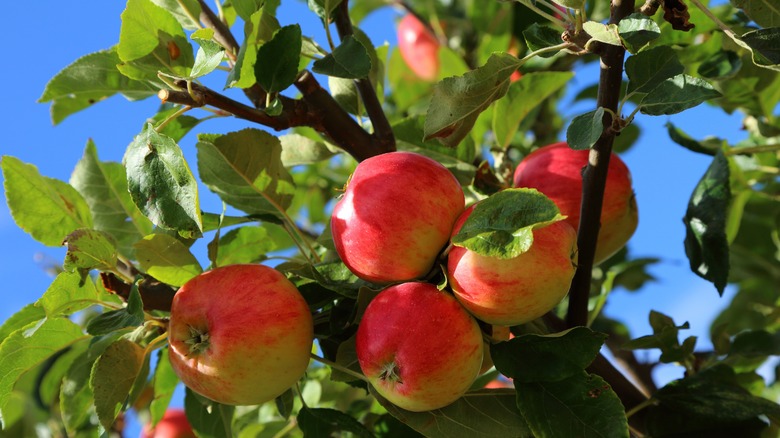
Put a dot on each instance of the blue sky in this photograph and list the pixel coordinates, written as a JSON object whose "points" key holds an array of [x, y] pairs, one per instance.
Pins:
{"points": [[57, 33]]}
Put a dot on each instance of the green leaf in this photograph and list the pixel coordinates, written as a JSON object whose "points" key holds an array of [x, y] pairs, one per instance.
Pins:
{"points": [[46, 208], [721, 65], [285, 403], [765, 45], [26, 315], [585, 129], [175, 128], [320, 422], [209, 54], [323, 8], [161, 184], [540, 37], [142, 24], [67, 294], [487, 413], [186, 12], [208, 418], [765, 13], [349, 60], [523, 96], [502, 225], [130, 316], [686, 141], [677, 94], [167, 259], [89, 80], [604, 33], [258, 29], [113, 376], [29, 346], [298, 149], [637, 30], [245, 169], [583, 405], [665, 338], [647, 69], [457, 101], [164, 383], [756, 343], [104, 187], [249, 244], [547, 358], [277, 60], [706, 244], [571, 4], [89, 249], [245, 8]]}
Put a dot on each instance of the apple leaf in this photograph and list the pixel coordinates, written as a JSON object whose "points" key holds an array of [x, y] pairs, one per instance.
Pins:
{"points": [[457, 101], [67, 294], [285, 403], [764, 45], [318, 422], [298, 149], [484, 413], [647, 69], [523, 96], [764, 12], [277, 60], [164, 383], [755, 343], [104, 187], [502, 225], [26, 315], [51, 373], [604, 33], [249, 244], [89, 80], [89, 249], [113, 376], [258, 29], [142, 23], [706, 243], [130, 316], [183, 11], [688, 142], [210, 53], [637, 30], [539, 37], [175, 128], [46, 208], [349, 60], [161, 183], [167, 259], [677, 94], [585, 129], [547, 358], [582, 405], [208, 418], [665, 338], [721, 65], [29, 346], [245, 169]]}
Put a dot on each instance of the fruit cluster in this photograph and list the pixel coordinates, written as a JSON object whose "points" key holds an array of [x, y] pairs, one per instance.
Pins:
{"points": [[392, 225], [243, 334]]}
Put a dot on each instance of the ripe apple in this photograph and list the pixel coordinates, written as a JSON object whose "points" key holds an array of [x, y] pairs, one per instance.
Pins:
{"points": [[500, 383], [395, 216], [400, 349], [555, 170], [419, 47], [240, 334], [518, 290], [173, 424]]}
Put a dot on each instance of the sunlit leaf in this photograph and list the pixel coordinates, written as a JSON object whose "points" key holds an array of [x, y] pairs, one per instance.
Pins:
{"points": [[113, 376], [167, 259]]}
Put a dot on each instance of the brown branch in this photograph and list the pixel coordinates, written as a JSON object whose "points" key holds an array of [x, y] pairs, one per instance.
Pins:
{"points": [[594, 176], [383, 133], [154, 295]]}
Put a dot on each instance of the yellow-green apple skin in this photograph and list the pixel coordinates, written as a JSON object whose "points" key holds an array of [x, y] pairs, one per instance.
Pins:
{"points": [[240, 334], [514, 291], [419, 47], [396, 216], [555, 170], [402, 350]]}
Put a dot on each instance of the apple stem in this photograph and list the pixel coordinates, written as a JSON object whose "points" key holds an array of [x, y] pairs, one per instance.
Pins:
{"points": [[341, 368]]}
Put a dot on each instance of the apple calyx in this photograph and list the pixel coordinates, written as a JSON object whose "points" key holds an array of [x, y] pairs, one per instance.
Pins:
{"points": [[391, 373], [198, 341]]}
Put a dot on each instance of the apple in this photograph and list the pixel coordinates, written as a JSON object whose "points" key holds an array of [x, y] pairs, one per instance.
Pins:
{"points": [[400, 349], [240, 334], [555, 170], [500, 383], [173, 424], [419, 47], [518, 290], [395, 216]]}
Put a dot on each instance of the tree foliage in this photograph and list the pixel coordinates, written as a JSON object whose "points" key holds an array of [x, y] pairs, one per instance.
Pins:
{"points": [[94, 345]]}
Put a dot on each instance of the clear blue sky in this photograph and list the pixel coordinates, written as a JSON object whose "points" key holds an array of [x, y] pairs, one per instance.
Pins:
{"points": [[51, 35]]}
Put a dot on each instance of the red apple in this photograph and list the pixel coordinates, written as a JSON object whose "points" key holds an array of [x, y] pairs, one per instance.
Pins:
{"points": [[173, 424], [395, 216], [555, 170], [500, 383], [400, 349], [240, 334], [419, 47], [518, 290]]}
